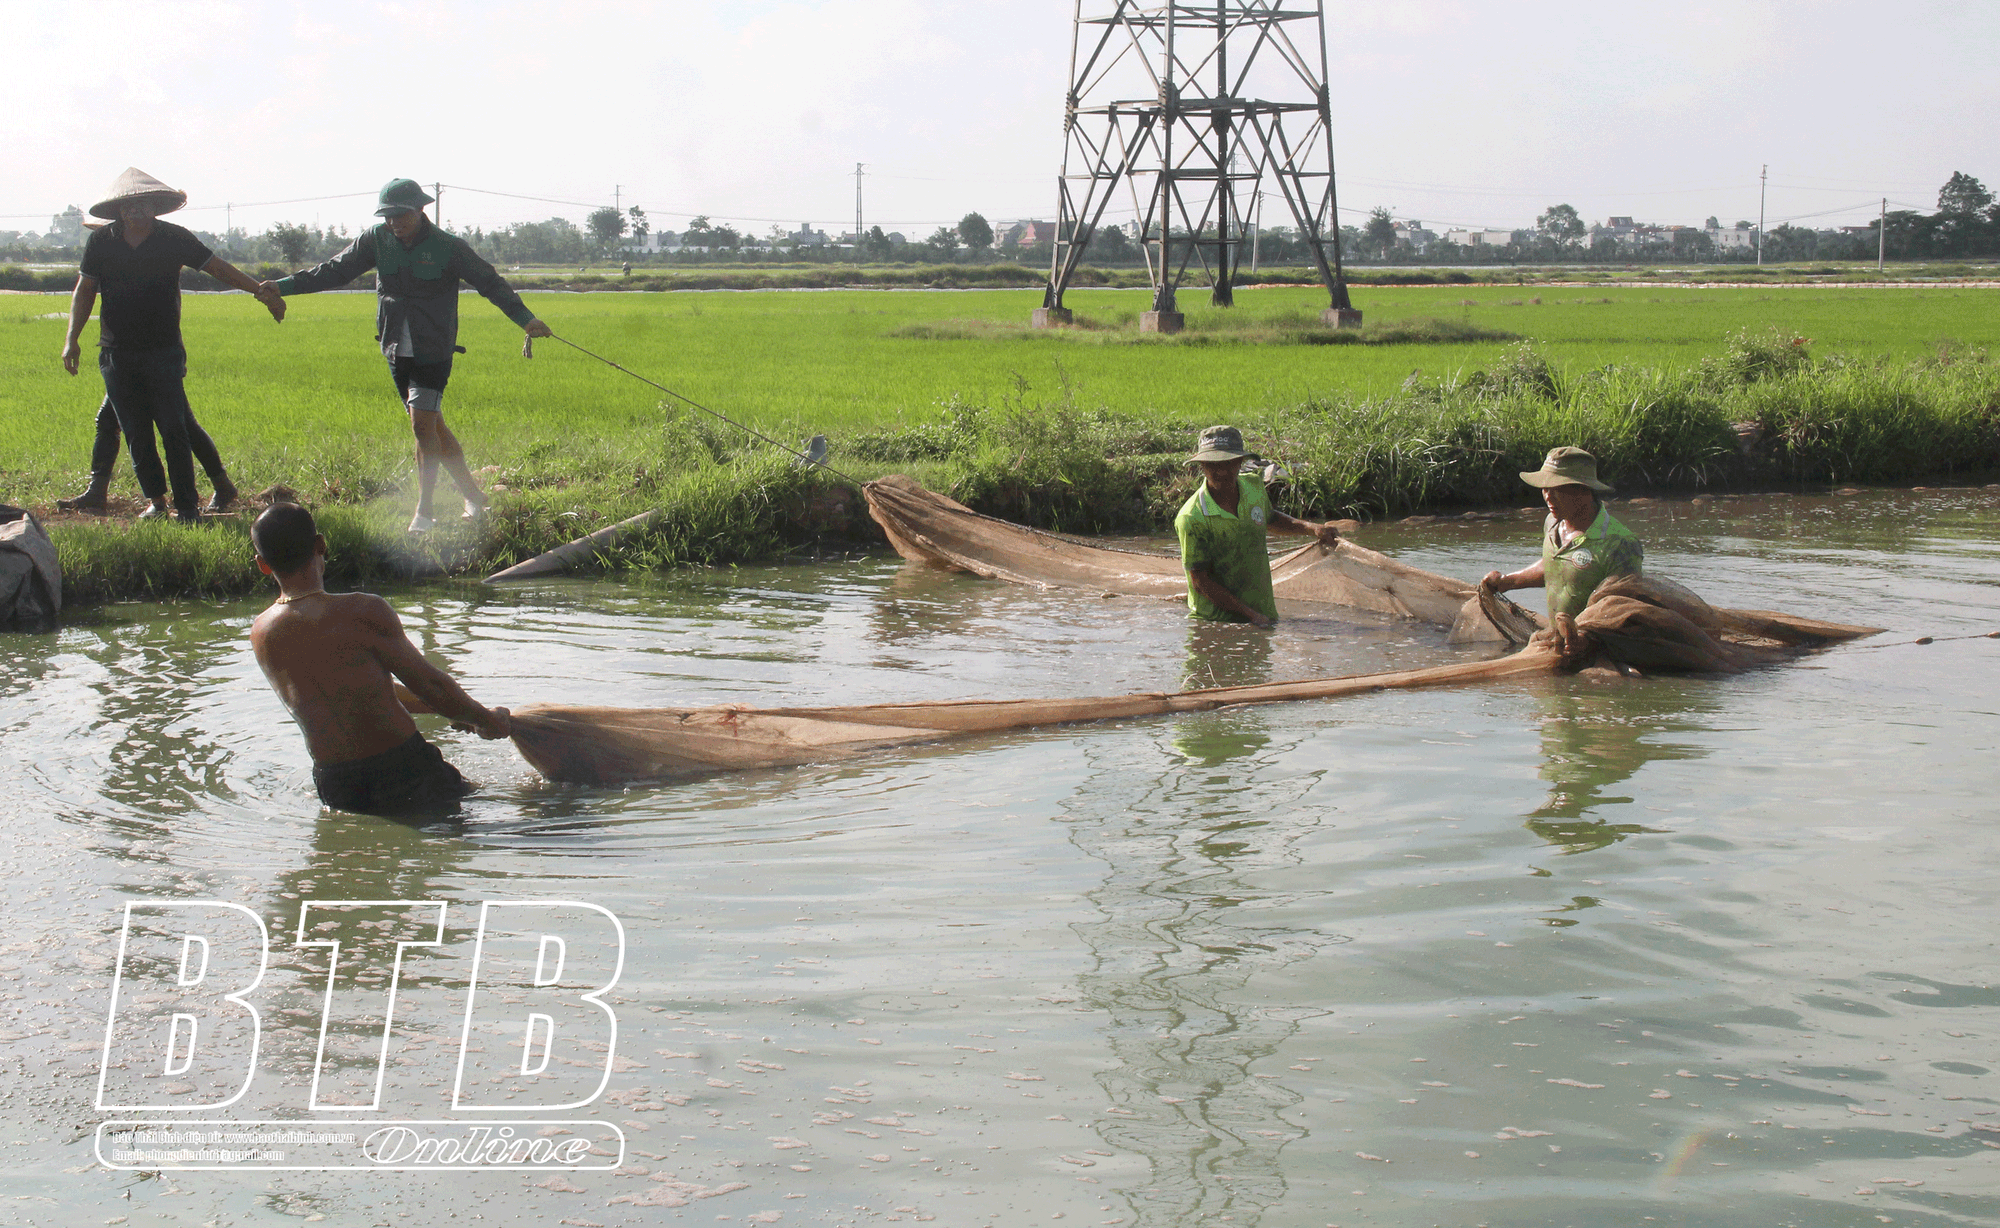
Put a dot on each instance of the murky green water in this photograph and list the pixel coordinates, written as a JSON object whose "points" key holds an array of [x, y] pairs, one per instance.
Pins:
{"points": [[1683, 951]]}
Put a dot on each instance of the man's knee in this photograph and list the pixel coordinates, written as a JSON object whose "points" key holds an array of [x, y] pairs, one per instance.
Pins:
{"points": [[426, 406]]}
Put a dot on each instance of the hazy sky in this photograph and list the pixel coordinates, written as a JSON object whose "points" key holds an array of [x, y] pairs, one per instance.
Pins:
{"points": [[755, 111]]}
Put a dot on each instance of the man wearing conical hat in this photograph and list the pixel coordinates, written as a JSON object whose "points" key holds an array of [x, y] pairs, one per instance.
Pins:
{"points": [[1582, 545], [417, 271], [135, 264]]}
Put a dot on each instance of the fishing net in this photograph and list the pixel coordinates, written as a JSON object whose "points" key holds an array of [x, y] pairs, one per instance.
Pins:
{"points": [[1631, 626], [608, 745], [927, 527]]}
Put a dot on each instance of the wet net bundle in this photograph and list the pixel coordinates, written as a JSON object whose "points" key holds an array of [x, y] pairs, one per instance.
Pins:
{"points": [[1632, 625]]}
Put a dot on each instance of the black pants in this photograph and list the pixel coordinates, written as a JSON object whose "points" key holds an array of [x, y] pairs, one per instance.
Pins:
{"points": [[409, 373], [409, 779], [104, 449], [145, 388]]}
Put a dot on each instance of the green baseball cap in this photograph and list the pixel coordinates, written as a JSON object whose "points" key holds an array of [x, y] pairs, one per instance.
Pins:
{"points": [[401, 196], [1567, 467]]}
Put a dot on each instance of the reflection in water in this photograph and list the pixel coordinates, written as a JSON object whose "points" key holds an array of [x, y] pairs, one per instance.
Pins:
{"points": [[1593, 740], [1225, 654], [1175, 953], [150, 689], [360, 858]]}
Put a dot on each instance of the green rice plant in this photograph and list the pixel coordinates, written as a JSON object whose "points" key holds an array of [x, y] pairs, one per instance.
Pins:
{"points": [[1750, 355], [1878, 422]]}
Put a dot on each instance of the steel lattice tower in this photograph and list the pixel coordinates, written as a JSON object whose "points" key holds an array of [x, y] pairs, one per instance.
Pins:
{"points": [[1163, 100]]}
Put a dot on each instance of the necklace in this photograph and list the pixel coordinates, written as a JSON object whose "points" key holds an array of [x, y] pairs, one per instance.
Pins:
{"points": [[289, 598]]}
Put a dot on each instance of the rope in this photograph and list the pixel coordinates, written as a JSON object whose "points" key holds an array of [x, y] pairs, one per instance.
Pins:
{"points": [[705, 409], [1928, 639]]}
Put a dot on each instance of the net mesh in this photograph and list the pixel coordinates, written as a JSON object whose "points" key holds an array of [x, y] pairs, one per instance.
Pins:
{"points": [[1632, 625]]}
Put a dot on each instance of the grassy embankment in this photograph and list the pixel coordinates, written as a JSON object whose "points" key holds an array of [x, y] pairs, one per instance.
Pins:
{"points": [[1436, 405]]}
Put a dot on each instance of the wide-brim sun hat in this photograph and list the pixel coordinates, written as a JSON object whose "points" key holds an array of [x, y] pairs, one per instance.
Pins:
{"points": [[1567, 467], [1220, 443], [136, 184], [401, 196]]}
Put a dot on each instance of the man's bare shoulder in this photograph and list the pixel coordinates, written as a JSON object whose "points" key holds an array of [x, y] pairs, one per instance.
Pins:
{"points": [[327, 613]]}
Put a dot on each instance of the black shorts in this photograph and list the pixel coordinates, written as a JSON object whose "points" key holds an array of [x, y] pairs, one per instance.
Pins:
{"points": [[409, 373], [407, 779]]}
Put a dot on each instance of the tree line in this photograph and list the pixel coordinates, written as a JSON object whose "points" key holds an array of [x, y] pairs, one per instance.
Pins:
{"points": [[1965, 226]]}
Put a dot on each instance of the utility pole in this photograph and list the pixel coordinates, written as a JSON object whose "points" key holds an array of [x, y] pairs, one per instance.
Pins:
{"points": [[229, 211], [1881, 236], [1763, 180], [437, 190], [1256, 226], [860, 248]]}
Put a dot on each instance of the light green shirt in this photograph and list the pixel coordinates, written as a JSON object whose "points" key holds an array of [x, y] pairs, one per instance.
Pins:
{"points": [[1572, 570], [1228, 547]]}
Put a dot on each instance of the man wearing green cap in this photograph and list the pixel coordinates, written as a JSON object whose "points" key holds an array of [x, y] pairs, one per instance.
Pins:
{"points": [[417, 271], [1582, 545], [1222, 527]]}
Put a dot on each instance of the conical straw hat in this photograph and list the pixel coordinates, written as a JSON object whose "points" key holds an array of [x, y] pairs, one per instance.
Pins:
{"points": [[136, 184]]}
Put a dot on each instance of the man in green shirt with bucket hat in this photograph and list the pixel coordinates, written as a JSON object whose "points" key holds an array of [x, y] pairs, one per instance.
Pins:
{"points": [[1582, 545], [417, 271], [1222, 527]]}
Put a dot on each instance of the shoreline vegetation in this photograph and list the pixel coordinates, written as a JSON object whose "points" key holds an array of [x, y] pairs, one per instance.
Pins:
{"points": [[1763, 414]]}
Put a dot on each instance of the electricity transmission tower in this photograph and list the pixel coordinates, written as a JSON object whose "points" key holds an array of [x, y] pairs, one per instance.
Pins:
{"points": [[1184, 108]]}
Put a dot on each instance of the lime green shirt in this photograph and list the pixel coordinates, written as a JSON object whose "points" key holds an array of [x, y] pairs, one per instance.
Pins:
{"points": [[1572, 571], [1230, 548]]}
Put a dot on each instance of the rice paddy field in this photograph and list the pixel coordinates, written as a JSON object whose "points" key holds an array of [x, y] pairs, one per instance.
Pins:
{"points": [[312, 395], [1436, 402]]}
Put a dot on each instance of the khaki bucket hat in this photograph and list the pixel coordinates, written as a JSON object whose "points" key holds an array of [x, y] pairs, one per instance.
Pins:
{"points": [[1220, 443], [1567, 467], [136, 184]]}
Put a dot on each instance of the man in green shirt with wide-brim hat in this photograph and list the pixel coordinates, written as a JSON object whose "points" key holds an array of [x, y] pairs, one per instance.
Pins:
{"points": [[1222, 527], [417, 271], [1582, 545]]}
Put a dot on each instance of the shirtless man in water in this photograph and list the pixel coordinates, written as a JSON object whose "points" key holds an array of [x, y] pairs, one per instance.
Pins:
{"points": [[331, 658]]}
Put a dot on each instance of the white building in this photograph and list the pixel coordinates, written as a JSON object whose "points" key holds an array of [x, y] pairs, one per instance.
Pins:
{"points": [[1478, 238], [1413, 235], [653, 241], [1733, 238]]}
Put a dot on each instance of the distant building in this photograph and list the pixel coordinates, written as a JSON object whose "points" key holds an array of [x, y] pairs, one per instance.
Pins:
{"points": [[653, 241], [806, 236], [1732, 238], [1412, 234], [1479, 238]]}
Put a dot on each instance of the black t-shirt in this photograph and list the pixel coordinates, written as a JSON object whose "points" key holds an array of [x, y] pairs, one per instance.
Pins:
{"points": [[140, 287]]}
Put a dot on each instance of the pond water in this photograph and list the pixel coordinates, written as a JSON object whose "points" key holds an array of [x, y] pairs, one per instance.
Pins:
{"points": [[1687, 951]]}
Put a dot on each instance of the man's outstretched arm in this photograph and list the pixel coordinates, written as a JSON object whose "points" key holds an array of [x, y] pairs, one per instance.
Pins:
{"points": [[438, 691], [1327, 533], [265, 292], [353, 260]]}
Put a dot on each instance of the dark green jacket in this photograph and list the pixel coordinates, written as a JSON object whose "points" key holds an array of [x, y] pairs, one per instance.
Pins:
{"points": [[416, 288]]}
